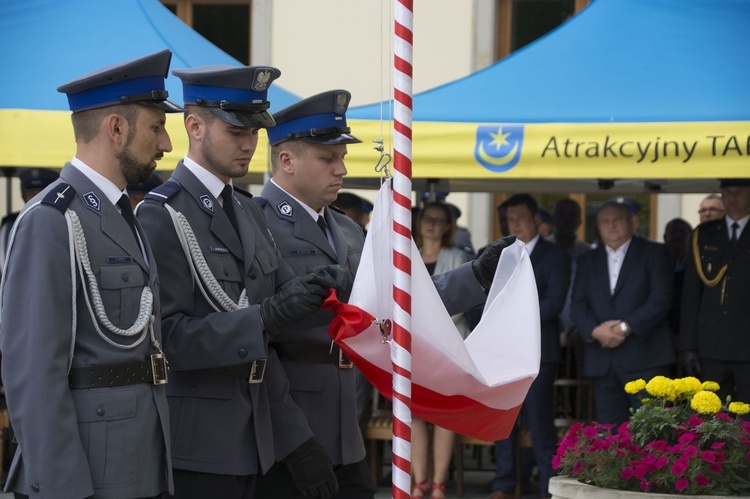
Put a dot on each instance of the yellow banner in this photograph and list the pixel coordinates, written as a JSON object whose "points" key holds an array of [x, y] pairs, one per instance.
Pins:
{"points": [[461, 150], [566, 150]]}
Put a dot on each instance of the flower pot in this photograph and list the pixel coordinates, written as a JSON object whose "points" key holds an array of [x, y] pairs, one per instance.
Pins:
{"points": [[563, 487]]}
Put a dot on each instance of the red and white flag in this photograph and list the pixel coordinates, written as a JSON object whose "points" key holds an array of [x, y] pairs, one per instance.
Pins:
{"points": [[474, 387]]}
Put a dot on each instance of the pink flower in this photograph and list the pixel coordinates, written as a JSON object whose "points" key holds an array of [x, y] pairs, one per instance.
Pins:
{"points": [[688, 437], [590, 432], [644, 485], [694, 420], [717, 445], [556, 461], [681, 484], [679, 466], [627, 474], [701, 481], [715, 468], [690, 451], [724, 416], [657, 445], [578, 466], [661, 462], [708, 456]]}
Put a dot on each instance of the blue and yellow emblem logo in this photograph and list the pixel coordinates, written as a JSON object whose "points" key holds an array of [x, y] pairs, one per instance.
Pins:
{"points": [[499, 147]]}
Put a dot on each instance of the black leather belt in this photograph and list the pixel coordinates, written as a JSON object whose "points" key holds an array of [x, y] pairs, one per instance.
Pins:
{"points": [[253, 373], [152, 370], [313, 353]]}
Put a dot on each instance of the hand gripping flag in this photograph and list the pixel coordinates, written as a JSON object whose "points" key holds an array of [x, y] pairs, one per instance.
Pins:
{"points": [[473, 387]]}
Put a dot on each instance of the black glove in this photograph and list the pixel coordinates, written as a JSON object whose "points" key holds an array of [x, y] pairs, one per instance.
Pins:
{"points": [[485, 265], [311, 470], [337, 277], [691, 363], [293, 301]]}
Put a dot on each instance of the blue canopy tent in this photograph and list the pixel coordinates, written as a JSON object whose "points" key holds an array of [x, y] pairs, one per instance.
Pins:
{"points": [[651, 94], [45, 43]]}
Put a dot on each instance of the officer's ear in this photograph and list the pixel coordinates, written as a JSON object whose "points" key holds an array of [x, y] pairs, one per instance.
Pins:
{"points": [[287, 160], [117, 128], [195, 126]]}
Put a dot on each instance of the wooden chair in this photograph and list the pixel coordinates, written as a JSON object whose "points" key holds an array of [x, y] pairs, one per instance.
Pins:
{"points": [[378, 432]]}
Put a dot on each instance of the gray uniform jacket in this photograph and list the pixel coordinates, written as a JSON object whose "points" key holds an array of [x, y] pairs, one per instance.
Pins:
{"points": [[220, 423], [325, 392], [105, 442]]}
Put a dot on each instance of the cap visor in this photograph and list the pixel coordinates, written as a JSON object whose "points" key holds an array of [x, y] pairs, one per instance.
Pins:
{"points": [[261, 119], [332, 139]]}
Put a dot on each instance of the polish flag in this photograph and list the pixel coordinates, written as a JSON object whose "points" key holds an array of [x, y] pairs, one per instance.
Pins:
{"points": [[474, 387]]}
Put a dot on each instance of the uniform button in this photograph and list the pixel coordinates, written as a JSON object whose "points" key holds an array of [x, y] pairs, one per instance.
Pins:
{"points": [[242, 353], [100, 411], [125, 277], [35, 487], [252, 275]]}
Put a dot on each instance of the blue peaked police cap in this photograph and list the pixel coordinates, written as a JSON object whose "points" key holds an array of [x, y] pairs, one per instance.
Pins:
{"points": [[140, 81], [33, 179], [320, 119], [237, 95]]}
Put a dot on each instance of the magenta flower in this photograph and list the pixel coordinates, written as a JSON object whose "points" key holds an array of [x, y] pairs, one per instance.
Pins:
{"points": [[701, 481], [644, 485], [688, 437], [681, 484], [715, 468], [679, 467], [590, 432], [708, 456], [690, 451], [694, 420], [627, 473], [578, 467]]}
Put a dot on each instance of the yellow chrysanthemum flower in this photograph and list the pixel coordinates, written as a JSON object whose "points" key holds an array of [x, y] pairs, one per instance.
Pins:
{"points": [[705, 402], [687, 386], [662, 387], [710, 386], [634, 387], [739, 408]]}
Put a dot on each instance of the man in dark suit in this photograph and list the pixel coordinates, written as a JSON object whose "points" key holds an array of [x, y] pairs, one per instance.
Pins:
{"points": [[83, 367], [226, 291], [308, 146], [551, 266], [621, 297], [715, 316]]}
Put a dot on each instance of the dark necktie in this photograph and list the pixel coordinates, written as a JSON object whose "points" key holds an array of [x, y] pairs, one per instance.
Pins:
{"points": [[228, 200], [127, 214], [733, 241], [323, 225]]}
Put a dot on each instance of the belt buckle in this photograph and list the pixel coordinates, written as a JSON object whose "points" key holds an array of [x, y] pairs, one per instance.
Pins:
{"points": [[159, 368], [344, 361], [257, 370]]}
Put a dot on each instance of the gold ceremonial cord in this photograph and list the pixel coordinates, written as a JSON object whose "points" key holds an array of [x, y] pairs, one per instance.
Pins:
{"points": [[699, 268]]}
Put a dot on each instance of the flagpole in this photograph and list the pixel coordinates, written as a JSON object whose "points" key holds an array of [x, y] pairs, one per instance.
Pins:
{"points": [[401, 238]]}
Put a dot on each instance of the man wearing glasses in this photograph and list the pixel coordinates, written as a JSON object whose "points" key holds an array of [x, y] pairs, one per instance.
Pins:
{"points": [[712, 208]]}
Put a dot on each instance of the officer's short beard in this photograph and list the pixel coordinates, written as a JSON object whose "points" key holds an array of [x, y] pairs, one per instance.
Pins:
{"points": [[133, 169]]}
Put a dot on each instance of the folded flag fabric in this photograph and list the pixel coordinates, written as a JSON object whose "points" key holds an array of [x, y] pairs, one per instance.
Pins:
{"points": [[474, 387]]}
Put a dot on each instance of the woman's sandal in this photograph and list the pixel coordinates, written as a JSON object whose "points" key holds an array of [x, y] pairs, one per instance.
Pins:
{"points": [[420, 489], [438, 490]]}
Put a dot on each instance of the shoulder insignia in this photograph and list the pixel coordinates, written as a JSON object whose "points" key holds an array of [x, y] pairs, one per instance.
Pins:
{"points": [[262, 202], [163, 192], [336, 209], [240, 190], [60, 196]]}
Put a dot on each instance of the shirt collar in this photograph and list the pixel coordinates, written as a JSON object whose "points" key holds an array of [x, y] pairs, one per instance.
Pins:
{"points": [[210, 181], [108, 188], [532, 244], [741, 222], [621, 250], [314, 214]]}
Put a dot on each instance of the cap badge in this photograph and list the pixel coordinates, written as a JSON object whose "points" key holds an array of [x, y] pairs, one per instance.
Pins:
{"points": [[261, 80], [285, 209], [208, 203], [340, 103], [92, 200]]}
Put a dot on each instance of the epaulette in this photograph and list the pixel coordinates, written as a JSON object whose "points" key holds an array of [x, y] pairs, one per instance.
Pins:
{"points": [[60, 196], [163, 192], [240, 190], [261, 201], [336, 209]]}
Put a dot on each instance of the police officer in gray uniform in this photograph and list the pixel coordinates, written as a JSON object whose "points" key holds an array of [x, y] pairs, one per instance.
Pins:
{"points": [[309, 143], [83, 365], [225, 291]]}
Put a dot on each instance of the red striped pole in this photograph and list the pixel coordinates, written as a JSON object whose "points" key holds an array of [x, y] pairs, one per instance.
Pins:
{"points": [[401, 346]]}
